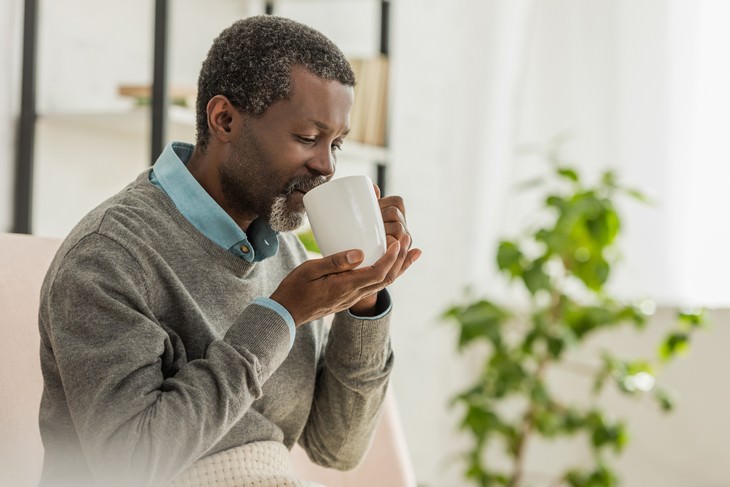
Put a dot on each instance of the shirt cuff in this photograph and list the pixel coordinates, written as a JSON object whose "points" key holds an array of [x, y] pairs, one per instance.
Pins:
{"points": [[282, 311], [383, 306]]}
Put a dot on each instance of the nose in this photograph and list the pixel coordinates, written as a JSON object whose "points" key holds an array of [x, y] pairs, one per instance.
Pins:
{"points": [[323, 162]]}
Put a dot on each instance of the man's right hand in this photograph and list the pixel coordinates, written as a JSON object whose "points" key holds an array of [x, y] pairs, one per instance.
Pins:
{"points": [[320, 287]]}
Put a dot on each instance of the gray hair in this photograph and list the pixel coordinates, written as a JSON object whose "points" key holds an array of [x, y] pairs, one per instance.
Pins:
{"points": [[250, 64]]}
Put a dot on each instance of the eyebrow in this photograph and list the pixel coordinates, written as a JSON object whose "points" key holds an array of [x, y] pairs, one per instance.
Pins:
{"points": [[326, 127]]}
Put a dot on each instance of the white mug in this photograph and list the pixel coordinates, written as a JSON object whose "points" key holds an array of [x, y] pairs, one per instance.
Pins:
{"points": [[344, 214]]}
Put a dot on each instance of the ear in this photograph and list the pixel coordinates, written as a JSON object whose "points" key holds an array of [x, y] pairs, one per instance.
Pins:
{"points": [[223, 118]]}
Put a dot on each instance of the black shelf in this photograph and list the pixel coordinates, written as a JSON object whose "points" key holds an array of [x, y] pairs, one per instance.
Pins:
{"points": [[23, 196]]}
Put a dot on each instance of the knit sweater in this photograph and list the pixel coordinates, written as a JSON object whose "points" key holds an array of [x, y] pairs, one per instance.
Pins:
{"points": [[154, 354]]}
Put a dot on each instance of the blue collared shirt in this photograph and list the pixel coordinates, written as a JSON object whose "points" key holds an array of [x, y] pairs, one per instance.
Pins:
{"points": [[204, 213]]}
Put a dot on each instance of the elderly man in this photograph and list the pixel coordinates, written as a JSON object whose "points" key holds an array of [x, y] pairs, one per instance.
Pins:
{"points": [[181, 322]]}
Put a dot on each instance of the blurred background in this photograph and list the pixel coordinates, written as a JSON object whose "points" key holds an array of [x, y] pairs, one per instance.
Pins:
{"points": [[450, 94]]}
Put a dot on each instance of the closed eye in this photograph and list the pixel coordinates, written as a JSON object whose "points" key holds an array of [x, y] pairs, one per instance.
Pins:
{"points": [[306, 140]]}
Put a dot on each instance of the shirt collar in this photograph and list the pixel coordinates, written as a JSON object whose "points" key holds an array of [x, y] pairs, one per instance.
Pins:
{"points": [[204, 213]]}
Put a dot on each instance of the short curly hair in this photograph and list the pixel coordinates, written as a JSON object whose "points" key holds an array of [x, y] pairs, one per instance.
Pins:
{"points": [[250, 64]]}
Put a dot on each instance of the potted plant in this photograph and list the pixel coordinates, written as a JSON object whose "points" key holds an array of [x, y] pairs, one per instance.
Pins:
{"points": [[563, 265]]}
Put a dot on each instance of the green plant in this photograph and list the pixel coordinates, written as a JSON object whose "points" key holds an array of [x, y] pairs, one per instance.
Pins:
{"points": [[564, 266], [307, 238]]}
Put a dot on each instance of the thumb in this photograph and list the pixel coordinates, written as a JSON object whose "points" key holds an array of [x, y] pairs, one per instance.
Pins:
{"points": [[339, 262]]}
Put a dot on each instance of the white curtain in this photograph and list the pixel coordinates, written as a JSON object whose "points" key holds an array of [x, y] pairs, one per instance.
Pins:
{"points": [[456, 69], [641, 87], [10, 47], [701, 155]]}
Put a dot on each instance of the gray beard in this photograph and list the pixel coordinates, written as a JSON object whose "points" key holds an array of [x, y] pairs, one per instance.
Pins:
{"points": [[282, 219]]}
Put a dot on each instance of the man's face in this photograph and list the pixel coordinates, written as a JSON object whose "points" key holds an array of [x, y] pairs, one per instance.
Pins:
{"points": [[287, 151]]}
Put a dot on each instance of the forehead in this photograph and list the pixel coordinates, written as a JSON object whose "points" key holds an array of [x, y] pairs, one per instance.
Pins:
{"points": [[314, 98]]}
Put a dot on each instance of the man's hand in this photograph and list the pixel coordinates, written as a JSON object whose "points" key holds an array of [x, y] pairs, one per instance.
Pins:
{"points": [[320, 287], [396, 229]]}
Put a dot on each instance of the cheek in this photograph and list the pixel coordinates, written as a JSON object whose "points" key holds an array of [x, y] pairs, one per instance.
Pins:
{"points": [[273, 182], [279, 163]]}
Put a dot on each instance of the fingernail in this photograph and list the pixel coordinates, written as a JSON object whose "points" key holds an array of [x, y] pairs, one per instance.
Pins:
{"points": [[352, 256]]}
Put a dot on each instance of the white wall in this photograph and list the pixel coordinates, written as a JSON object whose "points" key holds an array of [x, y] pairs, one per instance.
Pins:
{"points": [[70, 43], [687, 447]]}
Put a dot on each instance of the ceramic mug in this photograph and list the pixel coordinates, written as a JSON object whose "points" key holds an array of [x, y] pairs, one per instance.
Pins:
{"points": [[344, 214]]}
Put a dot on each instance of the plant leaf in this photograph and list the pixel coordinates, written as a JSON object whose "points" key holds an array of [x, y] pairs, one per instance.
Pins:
{"points": [[535, 278], [479, 320], [676, 343], [664, 399], [307, 239], [509, 258], [568, 173], [692, 319]]}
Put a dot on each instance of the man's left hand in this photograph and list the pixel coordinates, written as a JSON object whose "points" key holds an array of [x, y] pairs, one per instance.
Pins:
{"points": [[394, 219]]}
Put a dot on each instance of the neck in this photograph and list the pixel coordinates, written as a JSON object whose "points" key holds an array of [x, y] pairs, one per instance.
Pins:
{"points": [[205, 168]]}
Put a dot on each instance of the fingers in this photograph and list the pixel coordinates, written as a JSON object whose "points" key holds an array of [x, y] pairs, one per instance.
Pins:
{"points": [[395, 270], [395, 231], [323, 286], [395, 222], [335, 263], [391, 268], [377, 191], [405, 259], [364, 282], [413, 255], [379, 270], [395, 202], [393, 214]]}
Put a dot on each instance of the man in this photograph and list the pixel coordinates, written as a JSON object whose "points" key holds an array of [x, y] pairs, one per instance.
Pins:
{"points": [[181, 325]]}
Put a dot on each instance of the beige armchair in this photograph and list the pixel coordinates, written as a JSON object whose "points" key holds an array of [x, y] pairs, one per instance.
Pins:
{"points": [[23, 263]]}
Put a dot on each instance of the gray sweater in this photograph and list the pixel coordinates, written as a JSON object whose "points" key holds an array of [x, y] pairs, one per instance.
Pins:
{"points": [[153, 354]]}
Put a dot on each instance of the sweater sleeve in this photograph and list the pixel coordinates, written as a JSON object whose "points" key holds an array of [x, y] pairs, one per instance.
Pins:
{"points": [[133, 422], [350, 390]]}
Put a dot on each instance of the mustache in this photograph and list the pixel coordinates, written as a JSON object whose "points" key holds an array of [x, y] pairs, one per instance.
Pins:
{"points": [[303, 183]]}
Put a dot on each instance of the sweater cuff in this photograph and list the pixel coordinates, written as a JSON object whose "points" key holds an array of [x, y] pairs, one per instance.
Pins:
{"points": [[383, 306], [355, 340]]}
